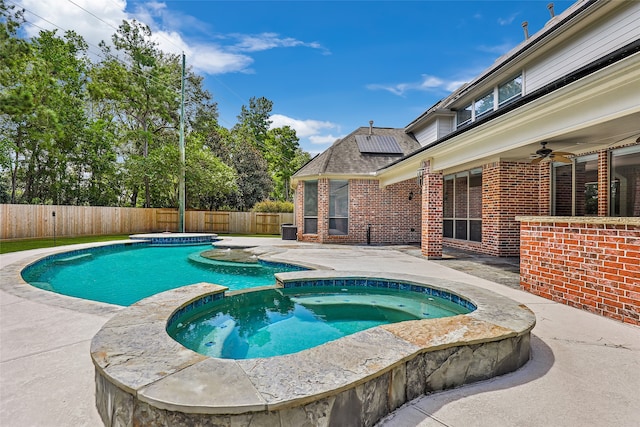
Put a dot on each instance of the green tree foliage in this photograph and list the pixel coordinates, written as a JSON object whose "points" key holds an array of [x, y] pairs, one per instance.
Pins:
{"points": [[273, 206], [285, 157], [142, 95], [73, 131]]}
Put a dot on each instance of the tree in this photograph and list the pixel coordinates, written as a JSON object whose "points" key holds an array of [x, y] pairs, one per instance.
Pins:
{"points": [[208, 178], [254, 121], [284, 156], [142, 95], [42, 112], [76, 132], [253, 181]]}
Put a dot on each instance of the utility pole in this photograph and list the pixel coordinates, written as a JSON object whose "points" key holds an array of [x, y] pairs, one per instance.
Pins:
{"points": [[181, 186]]}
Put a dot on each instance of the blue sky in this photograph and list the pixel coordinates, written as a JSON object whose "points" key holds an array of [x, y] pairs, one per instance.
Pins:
{"points": [[328, 66]]}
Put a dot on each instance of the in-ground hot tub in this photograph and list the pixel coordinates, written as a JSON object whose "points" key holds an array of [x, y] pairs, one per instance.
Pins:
{"points": [[276, 322], [144, 377]]}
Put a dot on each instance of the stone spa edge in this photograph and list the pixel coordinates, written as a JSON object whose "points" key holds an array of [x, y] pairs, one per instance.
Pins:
{"points": [[144, 377]]}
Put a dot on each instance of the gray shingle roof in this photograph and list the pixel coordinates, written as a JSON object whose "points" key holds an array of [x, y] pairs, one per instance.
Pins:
{"points": [[344, 157]]}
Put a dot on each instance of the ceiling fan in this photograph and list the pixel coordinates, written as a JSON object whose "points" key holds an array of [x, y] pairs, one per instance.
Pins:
{"points": [[545, 153]]}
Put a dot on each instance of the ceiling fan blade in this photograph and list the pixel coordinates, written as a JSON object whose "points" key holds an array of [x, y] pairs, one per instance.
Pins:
{"points": [[561, 159], [536, 160], [563, 153]]}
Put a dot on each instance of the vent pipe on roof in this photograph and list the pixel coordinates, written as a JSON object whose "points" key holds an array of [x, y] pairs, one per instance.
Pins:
{"points": [[551, 11], [525, 27], [370, 127]]}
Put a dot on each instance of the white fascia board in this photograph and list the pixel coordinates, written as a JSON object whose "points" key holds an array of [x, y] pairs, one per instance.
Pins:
{"points": [[343, 177], [401, 172], [607, 94]]}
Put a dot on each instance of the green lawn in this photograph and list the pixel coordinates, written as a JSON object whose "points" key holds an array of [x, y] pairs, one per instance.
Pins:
{"points": [[7, 246], [23, 245]]}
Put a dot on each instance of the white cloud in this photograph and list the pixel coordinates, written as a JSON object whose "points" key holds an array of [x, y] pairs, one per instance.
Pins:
{"points": [[324, 139], [98, 20], [309, 130], [94, 20], [266, 41], [303, 128], [428, 83], [204, 58], [508, 20], [453, 85], [497, 49]]}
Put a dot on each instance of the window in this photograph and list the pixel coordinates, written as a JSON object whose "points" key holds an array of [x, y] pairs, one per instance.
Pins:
{"points": [[510, 91], [575, 187], [586, 188], [484, 104], [463, 116], [311, 207], [338, 207], [462, 206], [499, 96], [624, 198]]}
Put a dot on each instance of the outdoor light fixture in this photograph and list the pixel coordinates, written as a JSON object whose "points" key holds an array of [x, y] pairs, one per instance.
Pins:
{"points": [[419, 177], [410, 195]]}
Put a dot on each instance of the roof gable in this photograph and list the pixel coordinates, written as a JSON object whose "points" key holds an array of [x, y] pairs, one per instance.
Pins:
{"points": [[362, 152]]}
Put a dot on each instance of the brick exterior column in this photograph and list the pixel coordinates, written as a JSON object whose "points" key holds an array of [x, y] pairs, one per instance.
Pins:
{"points": [[603, 183], [323, 210], [544, 193], [508, 189], [299, 209], [431, 243]]}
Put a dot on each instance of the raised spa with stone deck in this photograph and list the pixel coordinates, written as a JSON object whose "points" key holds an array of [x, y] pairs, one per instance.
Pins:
{"points": [[144, 377]]}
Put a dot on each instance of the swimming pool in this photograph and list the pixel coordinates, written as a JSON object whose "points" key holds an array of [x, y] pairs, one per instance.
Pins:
{"points": [[276, 322], [124, 274]]}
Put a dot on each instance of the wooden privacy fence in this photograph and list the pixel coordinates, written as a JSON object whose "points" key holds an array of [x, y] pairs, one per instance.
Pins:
{"points": [[38, 221]]}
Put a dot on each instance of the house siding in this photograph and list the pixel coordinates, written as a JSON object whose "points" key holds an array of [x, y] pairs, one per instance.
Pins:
{"points": [[428, 134], [445, 126], [591, 266], [613, 31]]}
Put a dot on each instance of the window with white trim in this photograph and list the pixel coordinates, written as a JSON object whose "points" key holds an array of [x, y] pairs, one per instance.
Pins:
{"points": [[501, 95], [510, 90]]}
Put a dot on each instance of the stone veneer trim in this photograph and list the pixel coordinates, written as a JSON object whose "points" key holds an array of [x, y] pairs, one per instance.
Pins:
{"points": [[145, 377]]}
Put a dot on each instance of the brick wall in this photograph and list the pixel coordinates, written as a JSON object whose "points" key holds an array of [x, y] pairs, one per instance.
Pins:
{"points": [[393, 213], [591, 266], [508, 189]]}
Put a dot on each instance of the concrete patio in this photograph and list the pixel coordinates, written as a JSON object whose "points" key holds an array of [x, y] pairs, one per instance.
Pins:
{"points": [[585, 369]]}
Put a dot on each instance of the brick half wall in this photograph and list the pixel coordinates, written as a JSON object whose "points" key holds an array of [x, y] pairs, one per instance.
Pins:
{"points": [[593, 265]]}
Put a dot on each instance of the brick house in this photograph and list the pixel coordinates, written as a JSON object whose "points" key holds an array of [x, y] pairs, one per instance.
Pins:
{"points": [[537, 157], [339, 199]]}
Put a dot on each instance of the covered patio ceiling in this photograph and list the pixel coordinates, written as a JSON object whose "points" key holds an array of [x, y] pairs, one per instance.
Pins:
{"points": [[618, 132]]}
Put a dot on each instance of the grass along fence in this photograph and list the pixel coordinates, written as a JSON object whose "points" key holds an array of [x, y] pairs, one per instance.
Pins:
{"points": [[41, 221]]}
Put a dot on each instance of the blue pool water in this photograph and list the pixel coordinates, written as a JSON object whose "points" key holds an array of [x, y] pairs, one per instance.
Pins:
{"points": [[277, 322], [123, 275]]}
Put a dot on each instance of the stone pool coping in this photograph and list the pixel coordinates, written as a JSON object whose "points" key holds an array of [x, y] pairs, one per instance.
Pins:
{"points": [[141, 370]]}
